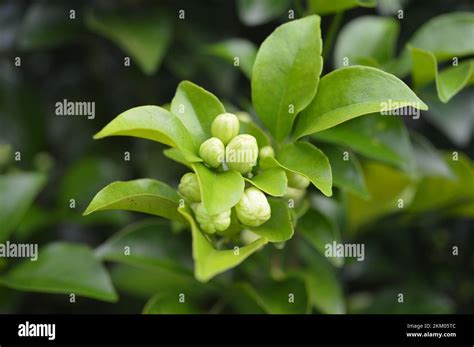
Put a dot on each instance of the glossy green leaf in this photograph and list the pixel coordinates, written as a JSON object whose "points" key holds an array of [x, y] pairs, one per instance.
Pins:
{"points": [[346, 170], [272, 181], [390, 191], [142, 195], [319, 231], [152, 123], [177, 156], [255, 12], [231, 49], [286, 296], [448, 82], [352, 92], [325, 7], [286, 73], [367, 37], [149, 244], [439, 192], [17, 192], [168, 304], [446, 36], [309, 161], [63, 268], [145, 38], [323, 287], [381, 137], [220, 190], [196, 108], [208, 261], [279, 227]]}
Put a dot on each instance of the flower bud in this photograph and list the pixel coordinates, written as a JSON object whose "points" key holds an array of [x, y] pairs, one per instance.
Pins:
{"points": [[241, 153], [189, 187], [296, 180], [212, 152], [253, 208], [266, 152], [212, 223], [225, 127]]}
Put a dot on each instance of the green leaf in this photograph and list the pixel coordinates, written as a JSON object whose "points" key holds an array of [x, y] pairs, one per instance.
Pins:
{"points": [[47, 25], [209, 261], [142, 195], [63, 268], [439, 192], [152, 123], [319, 231], [279, 227], [272, 181], [309, 161], [367, 37], [381, 137], [346, 170], [274, 296], [324, 7], [150, 244], [451, 119], [146, 38], [196, 108], [352, 92], [168, 304], [449, 82], [177, 156], [286, 73], [386, 187], [323, 287], [230, 49], [446, 36], [429, 161], [220, 191], [255, 12], [18, 190]]}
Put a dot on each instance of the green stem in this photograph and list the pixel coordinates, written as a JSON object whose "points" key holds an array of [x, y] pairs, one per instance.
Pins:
{"points": [[333, 29]]}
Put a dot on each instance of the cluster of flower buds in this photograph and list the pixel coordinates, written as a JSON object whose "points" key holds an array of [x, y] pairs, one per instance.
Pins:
{"points": [[227, 150]]}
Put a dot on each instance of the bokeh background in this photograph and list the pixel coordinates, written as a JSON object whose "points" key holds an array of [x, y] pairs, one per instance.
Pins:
{"points": [[78, 60]]}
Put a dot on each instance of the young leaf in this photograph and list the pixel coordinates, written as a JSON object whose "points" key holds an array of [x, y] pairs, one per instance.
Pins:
{"points": [[18, 191], [325, 7], [196, 108], [352, 92], [272, 181], [279, 227], [145, 38], [231, 49], [309, 161], [449, 82], [255, 12], [376, 136], [142, 195], [286, 73], [320, 231], [220, 190], [63, 268], [209, 261], [367, 37], [152, 123], [347, 173]]}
